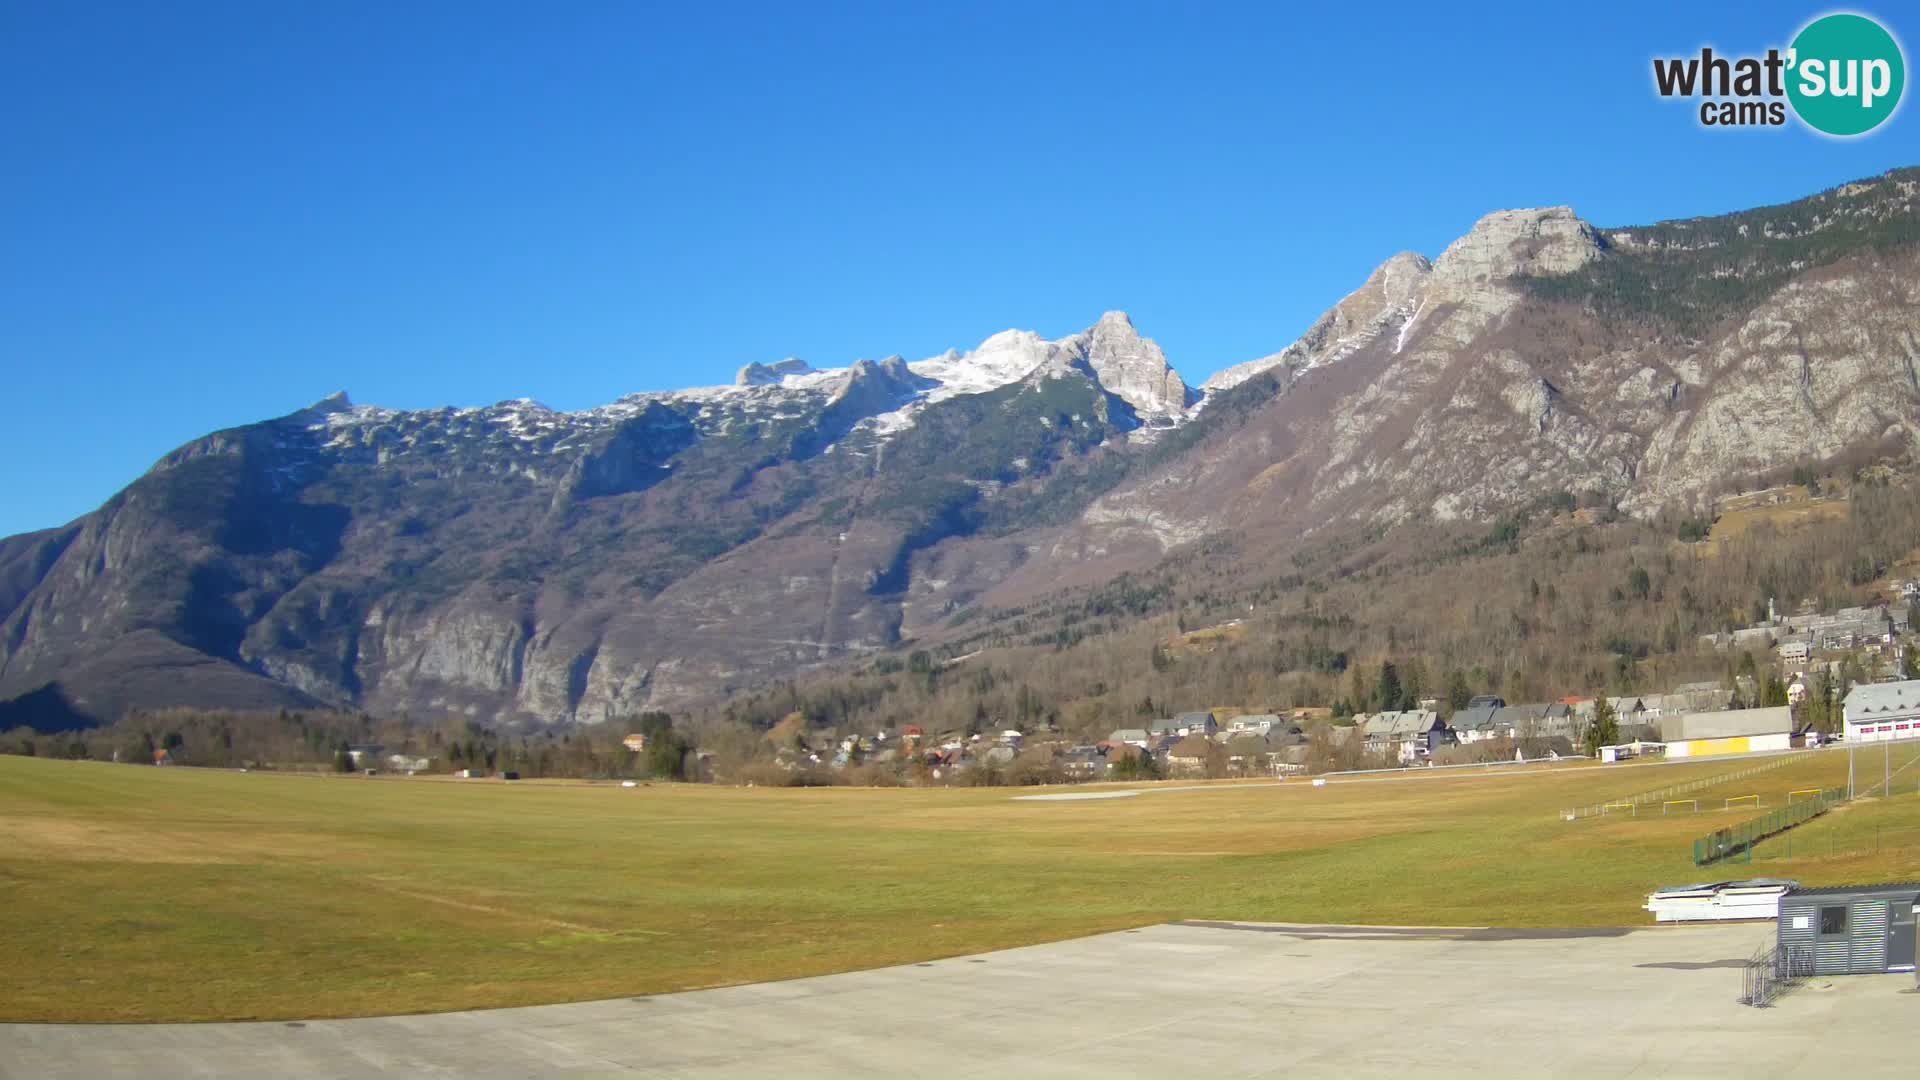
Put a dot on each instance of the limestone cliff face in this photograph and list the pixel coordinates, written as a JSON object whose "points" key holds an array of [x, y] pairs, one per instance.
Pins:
{"points": [[1132, 367], [1463, 388], [1826, 364], [1510, 243]]}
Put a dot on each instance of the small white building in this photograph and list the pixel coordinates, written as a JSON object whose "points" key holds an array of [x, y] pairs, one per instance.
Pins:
{"points": [[1879, 712], [1795, 652]]}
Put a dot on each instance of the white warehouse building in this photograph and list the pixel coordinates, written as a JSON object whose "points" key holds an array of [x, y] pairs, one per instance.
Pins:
{"points": [[1728, 731], [1878, 712]]}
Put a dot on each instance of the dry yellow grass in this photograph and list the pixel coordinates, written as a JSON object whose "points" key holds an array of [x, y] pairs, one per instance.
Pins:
{"points": [[1743, 513], [156, 894]]}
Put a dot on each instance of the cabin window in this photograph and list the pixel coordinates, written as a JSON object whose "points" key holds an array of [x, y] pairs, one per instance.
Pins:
{"points": [[1833, 920]]}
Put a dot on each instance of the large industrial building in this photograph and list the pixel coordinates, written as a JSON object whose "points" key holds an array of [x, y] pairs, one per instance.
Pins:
{"points": [[1879, 712], [1729, 731]]}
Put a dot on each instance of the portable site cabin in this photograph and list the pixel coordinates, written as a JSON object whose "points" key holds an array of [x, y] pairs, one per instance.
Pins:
{"points": [[1849, 929]]}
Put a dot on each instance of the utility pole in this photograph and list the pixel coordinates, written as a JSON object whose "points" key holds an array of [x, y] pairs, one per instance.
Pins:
{"points": [[1852, 744]]}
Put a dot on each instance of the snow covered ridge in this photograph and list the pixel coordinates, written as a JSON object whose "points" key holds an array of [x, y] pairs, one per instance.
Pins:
{"points": [[1129, 366], [888, 395]]}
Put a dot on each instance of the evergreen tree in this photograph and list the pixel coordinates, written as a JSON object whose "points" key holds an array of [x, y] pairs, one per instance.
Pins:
{"points": [[667, 755], [1605, 728], [652, 724], [1387, 693], [1416, 685], [1458, 691], [1775, 692]]}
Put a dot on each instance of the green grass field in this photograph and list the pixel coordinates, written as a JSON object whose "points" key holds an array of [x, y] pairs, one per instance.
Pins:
{"points": [[179, 894]]}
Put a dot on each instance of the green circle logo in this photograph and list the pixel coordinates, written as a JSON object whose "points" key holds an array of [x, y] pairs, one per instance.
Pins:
{"points": [[1846, 74]]}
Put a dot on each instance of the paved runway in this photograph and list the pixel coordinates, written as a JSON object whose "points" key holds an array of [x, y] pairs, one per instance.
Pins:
{"points": [[1190, 1000]]}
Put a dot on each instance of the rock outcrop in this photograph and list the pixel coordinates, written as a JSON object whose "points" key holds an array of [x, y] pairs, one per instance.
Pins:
{"points": [[1132, 367]]}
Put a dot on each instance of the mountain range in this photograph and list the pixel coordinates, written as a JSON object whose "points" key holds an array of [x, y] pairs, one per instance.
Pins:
{"points": [[516, 564]]}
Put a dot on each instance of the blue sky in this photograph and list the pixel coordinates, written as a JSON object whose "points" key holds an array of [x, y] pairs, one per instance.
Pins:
{"points": [[212, 214]]}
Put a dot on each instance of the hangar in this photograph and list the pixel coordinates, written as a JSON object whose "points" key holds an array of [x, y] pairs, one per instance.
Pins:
{"points": [[1728, 731]]}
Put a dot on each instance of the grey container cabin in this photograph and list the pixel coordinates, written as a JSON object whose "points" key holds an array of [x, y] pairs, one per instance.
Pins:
{"points": [[1849, 929]]}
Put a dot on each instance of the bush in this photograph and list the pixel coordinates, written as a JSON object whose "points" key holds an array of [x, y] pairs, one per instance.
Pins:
{"points": [[767, 774], [871, 775], [979, 774]]}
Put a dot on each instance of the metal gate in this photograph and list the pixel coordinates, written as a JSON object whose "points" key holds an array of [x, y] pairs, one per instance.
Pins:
{"points": [[1770, 971]]}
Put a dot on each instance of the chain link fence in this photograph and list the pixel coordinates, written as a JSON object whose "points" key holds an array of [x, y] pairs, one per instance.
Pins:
{"points": [[1631, 803], [1740, 839]]}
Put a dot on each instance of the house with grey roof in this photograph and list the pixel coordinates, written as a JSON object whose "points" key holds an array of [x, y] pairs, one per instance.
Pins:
{"points": [[1083, 762], [1474, 723], [1189, 756], [1291, 759], [1558, 721], [1186, 723], [1516, 721], [1130, 736], [1411, 735], [1250, 754], [1376, 728], [1419, 733]]}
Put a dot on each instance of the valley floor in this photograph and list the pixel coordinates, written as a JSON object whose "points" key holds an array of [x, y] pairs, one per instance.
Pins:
{"points": [[143, 894]]}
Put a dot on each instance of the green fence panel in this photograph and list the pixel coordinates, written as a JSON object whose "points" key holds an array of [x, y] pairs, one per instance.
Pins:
{"points": [[1738, 839]]}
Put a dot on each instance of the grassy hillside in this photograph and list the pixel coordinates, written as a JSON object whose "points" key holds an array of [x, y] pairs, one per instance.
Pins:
{"points": [[176, 894]]}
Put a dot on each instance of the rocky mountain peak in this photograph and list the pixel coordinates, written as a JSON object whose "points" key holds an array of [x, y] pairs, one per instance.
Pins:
{"points": [[1507, 243], [317, 413], [880, 385], [1131, 367], [1402, 279], [757, 374]]}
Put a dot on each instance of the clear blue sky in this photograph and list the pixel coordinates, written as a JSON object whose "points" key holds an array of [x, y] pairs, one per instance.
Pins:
{"points": [[213, 214]]}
